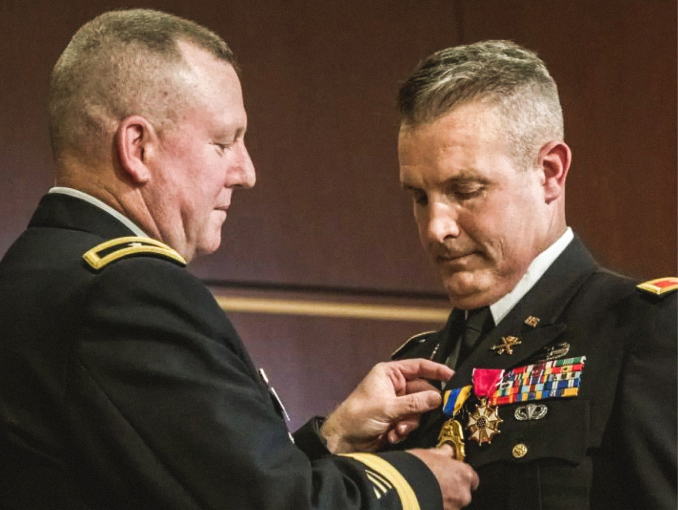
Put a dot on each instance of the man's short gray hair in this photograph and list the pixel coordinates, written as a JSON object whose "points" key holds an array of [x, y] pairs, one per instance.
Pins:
{"points": [[499, 73], [122, 63]]}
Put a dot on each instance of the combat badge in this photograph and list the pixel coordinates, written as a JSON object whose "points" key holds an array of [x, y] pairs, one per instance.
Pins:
{"points": [[452, 432], [484, 422], [549, 353]]}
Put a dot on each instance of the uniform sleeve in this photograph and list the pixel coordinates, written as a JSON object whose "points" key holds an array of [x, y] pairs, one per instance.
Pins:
{"points": [[648, 409], [167, 412]]}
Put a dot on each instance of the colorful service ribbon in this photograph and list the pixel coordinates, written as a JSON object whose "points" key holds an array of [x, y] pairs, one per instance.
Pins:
{"points": [[551, 379]]}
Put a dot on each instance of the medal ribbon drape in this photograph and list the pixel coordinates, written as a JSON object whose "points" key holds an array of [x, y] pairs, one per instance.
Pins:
{"points": [[484, 422], [452, 432]]}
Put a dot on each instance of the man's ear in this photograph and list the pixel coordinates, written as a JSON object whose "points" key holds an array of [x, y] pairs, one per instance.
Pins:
{"points": [[554, 160], [136, 140]]}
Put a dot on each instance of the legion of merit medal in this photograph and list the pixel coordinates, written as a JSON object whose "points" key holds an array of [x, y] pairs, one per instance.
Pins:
{"points": [[452, 432], [484, 422]]}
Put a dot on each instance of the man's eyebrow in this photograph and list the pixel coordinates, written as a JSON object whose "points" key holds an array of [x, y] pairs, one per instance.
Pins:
{"points": [[231, 131], [408, 187], [464, 178]]}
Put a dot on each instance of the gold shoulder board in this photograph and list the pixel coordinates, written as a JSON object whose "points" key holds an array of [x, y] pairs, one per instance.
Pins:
{"points": [[410, 341], [110, 251], [660, 286]]}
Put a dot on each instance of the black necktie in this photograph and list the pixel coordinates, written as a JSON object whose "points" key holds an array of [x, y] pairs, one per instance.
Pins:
{"points": [[476, 324]]}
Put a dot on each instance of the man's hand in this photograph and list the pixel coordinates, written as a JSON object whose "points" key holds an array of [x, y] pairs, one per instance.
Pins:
{"points": [[385, 406], [456, 479]]}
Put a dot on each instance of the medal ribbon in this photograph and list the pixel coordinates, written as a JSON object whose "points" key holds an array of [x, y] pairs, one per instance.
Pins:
{"points": [[485, 380], [552, 379], [454, 399]]}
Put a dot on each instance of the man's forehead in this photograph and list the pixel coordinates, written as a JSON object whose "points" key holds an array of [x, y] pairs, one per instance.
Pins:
{"points": [[212, 85], [478, 115], [205, 71]]}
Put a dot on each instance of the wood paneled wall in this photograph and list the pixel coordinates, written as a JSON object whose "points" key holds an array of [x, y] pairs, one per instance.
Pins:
{"points": [[327, 214]]}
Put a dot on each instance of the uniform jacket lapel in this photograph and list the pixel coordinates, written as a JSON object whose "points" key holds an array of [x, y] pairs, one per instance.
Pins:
{"points": [[568, 272], [566, 275]]}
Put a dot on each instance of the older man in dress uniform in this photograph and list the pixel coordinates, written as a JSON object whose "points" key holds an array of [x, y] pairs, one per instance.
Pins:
{"points": [[122, 383]]}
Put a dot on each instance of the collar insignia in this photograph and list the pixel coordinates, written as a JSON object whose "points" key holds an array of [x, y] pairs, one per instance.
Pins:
{"points": [[506, 345], [532, 321]]}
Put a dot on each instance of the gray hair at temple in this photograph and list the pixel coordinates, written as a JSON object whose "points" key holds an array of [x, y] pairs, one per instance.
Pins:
{"points": [[498, 73], [122, 63]]}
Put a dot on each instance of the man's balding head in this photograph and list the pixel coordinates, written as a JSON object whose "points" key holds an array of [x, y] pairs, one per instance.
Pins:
{"points": [[122, 63]]}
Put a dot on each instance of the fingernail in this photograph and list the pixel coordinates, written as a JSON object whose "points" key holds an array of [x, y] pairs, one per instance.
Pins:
{"points": [[434, 400]]}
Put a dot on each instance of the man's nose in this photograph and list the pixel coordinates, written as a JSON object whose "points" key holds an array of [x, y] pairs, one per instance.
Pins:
{"points": [[246, 176], [443, 222]]}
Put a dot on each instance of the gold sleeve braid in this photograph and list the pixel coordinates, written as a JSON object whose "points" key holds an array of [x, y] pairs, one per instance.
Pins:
{"points": [[408, 498]]}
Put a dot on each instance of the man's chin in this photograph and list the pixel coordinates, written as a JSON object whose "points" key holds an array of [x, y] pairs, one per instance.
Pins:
{"points": [[466, 294], [208, 246]]}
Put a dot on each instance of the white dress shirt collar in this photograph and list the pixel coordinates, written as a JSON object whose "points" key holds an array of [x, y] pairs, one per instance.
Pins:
{"points": [[534, 272], [101, 205]]}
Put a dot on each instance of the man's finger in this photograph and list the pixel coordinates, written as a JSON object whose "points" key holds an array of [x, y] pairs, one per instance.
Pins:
{"points": [[446, 450], [475, 480], [402, 429], [415, 404], [417, 385], [422, 368], [394, 437], [407, 425]]}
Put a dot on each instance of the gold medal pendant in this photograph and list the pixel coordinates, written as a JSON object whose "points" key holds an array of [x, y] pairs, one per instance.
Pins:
{"points": [[483, 423], [453, 434]]}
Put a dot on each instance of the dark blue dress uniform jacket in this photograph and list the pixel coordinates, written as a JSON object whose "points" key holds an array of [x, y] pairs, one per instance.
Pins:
{"points": [[611, 447], [128, 388]]}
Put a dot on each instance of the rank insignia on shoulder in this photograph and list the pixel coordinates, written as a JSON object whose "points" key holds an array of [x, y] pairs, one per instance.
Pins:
{"points": [[110, 251], [659, 286], [411, 342]]}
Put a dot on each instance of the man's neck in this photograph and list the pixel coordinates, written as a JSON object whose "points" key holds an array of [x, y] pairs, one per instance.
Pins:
{"points": [[65, 190], [534, 272]]}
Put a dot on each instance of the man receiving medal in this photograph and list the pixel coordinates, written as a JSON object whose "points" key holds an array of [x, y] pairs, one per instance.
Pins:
{"points": [[564, 395]]}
